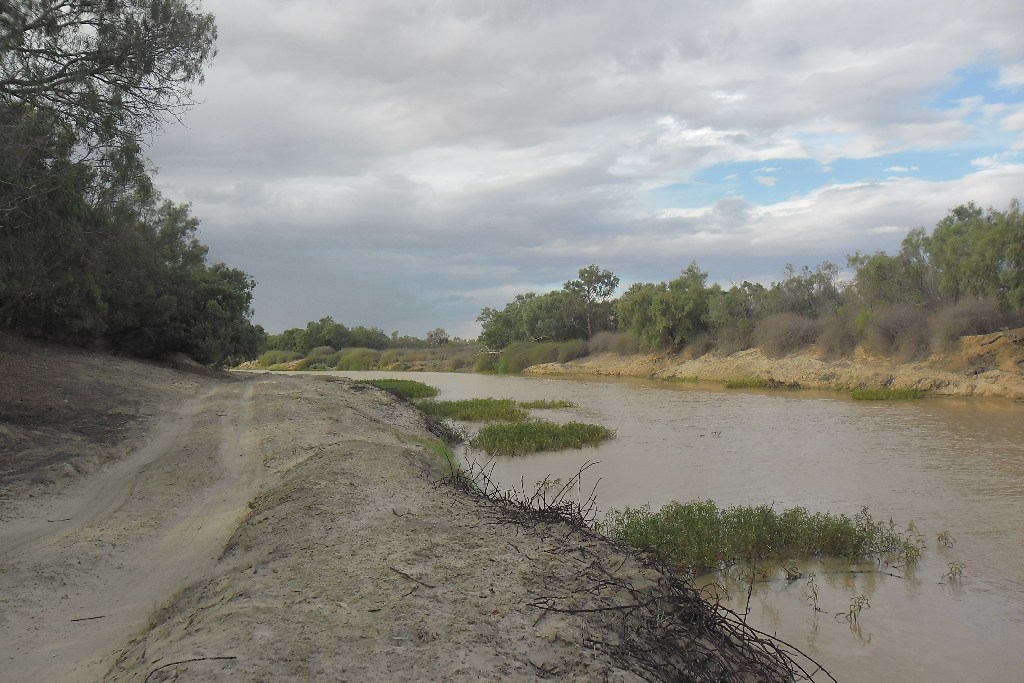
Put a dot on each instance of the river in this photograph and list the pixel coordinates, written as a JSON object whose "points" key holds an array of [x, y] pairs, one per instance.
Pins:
{"points": [[947, 465]]}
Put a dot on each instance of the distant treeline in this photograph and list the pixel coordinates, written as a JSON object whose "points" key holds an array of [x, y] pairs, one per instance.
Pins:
{"points": [[965, 277], [90, 253]]}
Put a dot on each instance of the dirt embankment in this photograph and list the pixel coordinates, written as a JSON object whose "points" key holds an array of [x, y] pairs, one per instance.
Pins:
{"points": [[983, 365], [156, 526]]}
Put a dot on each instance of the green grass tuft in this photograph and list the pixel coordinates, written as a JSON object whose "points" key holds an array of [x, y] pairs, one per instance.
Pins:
{"points": [[475, 410], [746, 383], [530, 437], [886, 394], [404, 388], [700, 537], [545, 403]]}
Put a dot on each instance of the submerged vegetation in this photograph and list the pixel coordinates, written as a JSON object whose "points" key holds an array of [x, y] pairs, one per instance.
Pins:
{"points": [[700, 537], [521, 438]]}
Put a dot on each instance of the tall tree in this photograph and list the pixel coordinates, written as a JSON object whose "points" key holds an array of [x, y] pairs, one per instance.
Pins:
{"points": [[110, 69]]}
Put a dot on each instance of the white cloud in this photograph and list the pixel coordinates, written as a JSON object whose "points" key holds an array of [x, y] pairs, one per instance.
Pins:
{"points": [[445, 153]]}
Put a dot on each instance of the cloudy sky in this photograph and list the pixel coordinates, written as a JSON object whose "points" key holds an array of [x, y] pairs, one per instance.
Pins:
{"points": [[402, 164]]}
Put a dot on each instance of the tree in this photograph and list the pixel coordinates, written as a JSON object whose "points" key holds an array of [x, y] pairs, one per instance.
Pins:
{"points": [[592, 290], [437, 337], [109, 69]]}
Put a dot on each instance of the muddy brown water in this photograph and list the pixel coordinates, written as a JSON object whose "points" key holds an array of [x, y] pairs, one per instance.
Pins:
{"points": [[947, 465]]}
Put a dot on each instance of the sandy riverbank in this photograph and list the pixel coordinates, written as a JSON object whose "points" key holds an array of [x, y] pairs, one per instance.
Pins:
{"points": [[983, 365], [157, 525]]}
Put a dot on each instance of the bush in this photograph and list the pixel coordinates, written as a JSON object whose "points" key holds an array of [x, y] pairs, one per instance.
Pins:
{"points": [[898, 331], [277, 357], [886, 394], [699, 345], [358, 359], [965, 317], [838, 338], [730, 340], [783, 333], [403, 388], [622, 343], [519, 356]]}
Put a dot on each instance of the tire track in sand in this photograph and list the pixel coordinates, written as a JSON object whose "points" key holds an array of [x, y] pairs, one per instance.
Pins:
{"points": [[75, 588]]}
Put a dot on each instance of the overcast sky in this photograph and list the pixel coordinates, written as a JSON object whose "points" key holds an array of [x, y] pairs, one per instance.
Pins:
{"points": [[403, 164]]}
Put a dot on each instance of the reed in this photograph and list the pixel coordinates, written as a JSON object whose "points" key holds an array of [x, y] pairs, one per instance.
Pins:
{"points": [[547, 404], [886, 394]]}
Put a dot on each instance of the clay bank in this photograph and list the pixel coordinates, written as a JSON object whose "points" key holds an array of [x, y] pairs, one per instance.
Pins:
{"points": [[989, 365]]}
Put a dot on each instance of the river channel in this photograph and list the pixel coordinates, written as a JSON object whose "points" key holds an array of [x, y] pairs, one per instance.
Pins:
{"points": [[946, 465]]}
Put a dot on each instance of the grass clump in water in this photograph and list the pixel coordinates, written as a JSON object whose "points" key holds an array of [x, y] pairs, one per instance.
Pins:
{"points": [[405, 388], [546, 403], [700, 537], [475, 410], [746, 383], [530, 437], [886, 394]]}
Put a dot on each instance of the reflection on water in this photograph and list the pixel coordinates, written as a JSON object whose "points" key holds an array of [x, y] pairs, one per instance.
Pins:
{"points": [[946, 465]]}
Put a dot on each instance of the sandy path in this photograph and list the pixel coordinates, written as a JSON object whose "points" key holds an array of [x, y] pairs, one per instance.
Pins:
{"points": [[82, 571]]}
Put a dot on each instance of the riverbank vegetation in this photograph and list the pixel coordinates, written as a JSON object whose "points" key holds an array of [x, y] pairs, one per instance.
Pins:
{"points": [[520, 438], [886, 394], [475, 410], [403, 388], [91, 254], [964, 277], [700, 537]]}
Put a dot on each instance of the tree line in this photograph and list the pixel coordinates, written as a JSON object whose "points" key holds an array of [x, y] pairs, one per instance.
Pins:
{"points": [[90, 252], [328, 334], [965, 277]]}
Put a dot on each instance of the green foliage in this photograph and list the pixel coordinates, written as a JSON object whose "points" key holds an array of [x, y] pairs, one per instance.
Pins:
{"points": [[746, 383], [886, 394], [357, 359], [577, 311], [520, 438], [547, 404], [270, 358], [701, 537], [666, 315], [475, 410], [404, 388], [518, 356]]}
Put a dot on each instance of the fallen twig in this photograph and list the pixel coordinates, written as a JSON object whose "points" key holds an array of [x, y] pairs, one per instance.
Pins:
{"points": [[184, 661]]}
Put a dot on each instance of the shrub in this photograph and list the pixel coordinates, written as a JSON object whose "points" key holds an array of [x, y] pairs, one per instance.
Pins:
{"points": [[838, 338], [967, 316], [899, 331], [519, 356], [783, 333], [699, 345], [277, 357], [730, 340], [358, 359], [622, 343]]}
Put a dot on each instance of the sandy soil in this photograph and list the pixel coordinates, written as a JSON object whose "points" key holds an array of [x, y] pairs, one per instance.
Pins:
{"points": [[158, 525], [983, 365]]}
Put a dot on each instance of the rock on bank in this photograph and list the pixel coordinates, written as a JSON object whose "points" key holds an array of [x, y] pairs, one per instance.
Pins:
{"points": [[982, 365]]}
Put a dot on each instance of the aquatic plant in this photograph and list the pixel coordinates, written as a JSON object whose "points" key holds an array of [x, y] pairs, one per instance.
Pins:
{"points": [[701, 537], [475, 409], [886, 394], [521, 438], [547, 404], [404, 388]]}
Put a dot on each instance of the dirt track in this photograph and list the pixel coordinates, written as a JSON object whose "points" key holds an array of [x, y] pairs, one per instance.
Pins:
{"points": [[281, 528]]}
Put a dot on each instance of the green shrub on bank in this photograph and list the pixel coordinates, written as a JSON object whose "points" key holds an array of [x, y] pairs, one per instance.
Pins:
{"points": [[475, 410], [746, 383], [521, 438], [404, 388], [700, 537], [517, 357], [357, 359], [277, 357], [886, 394]]}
